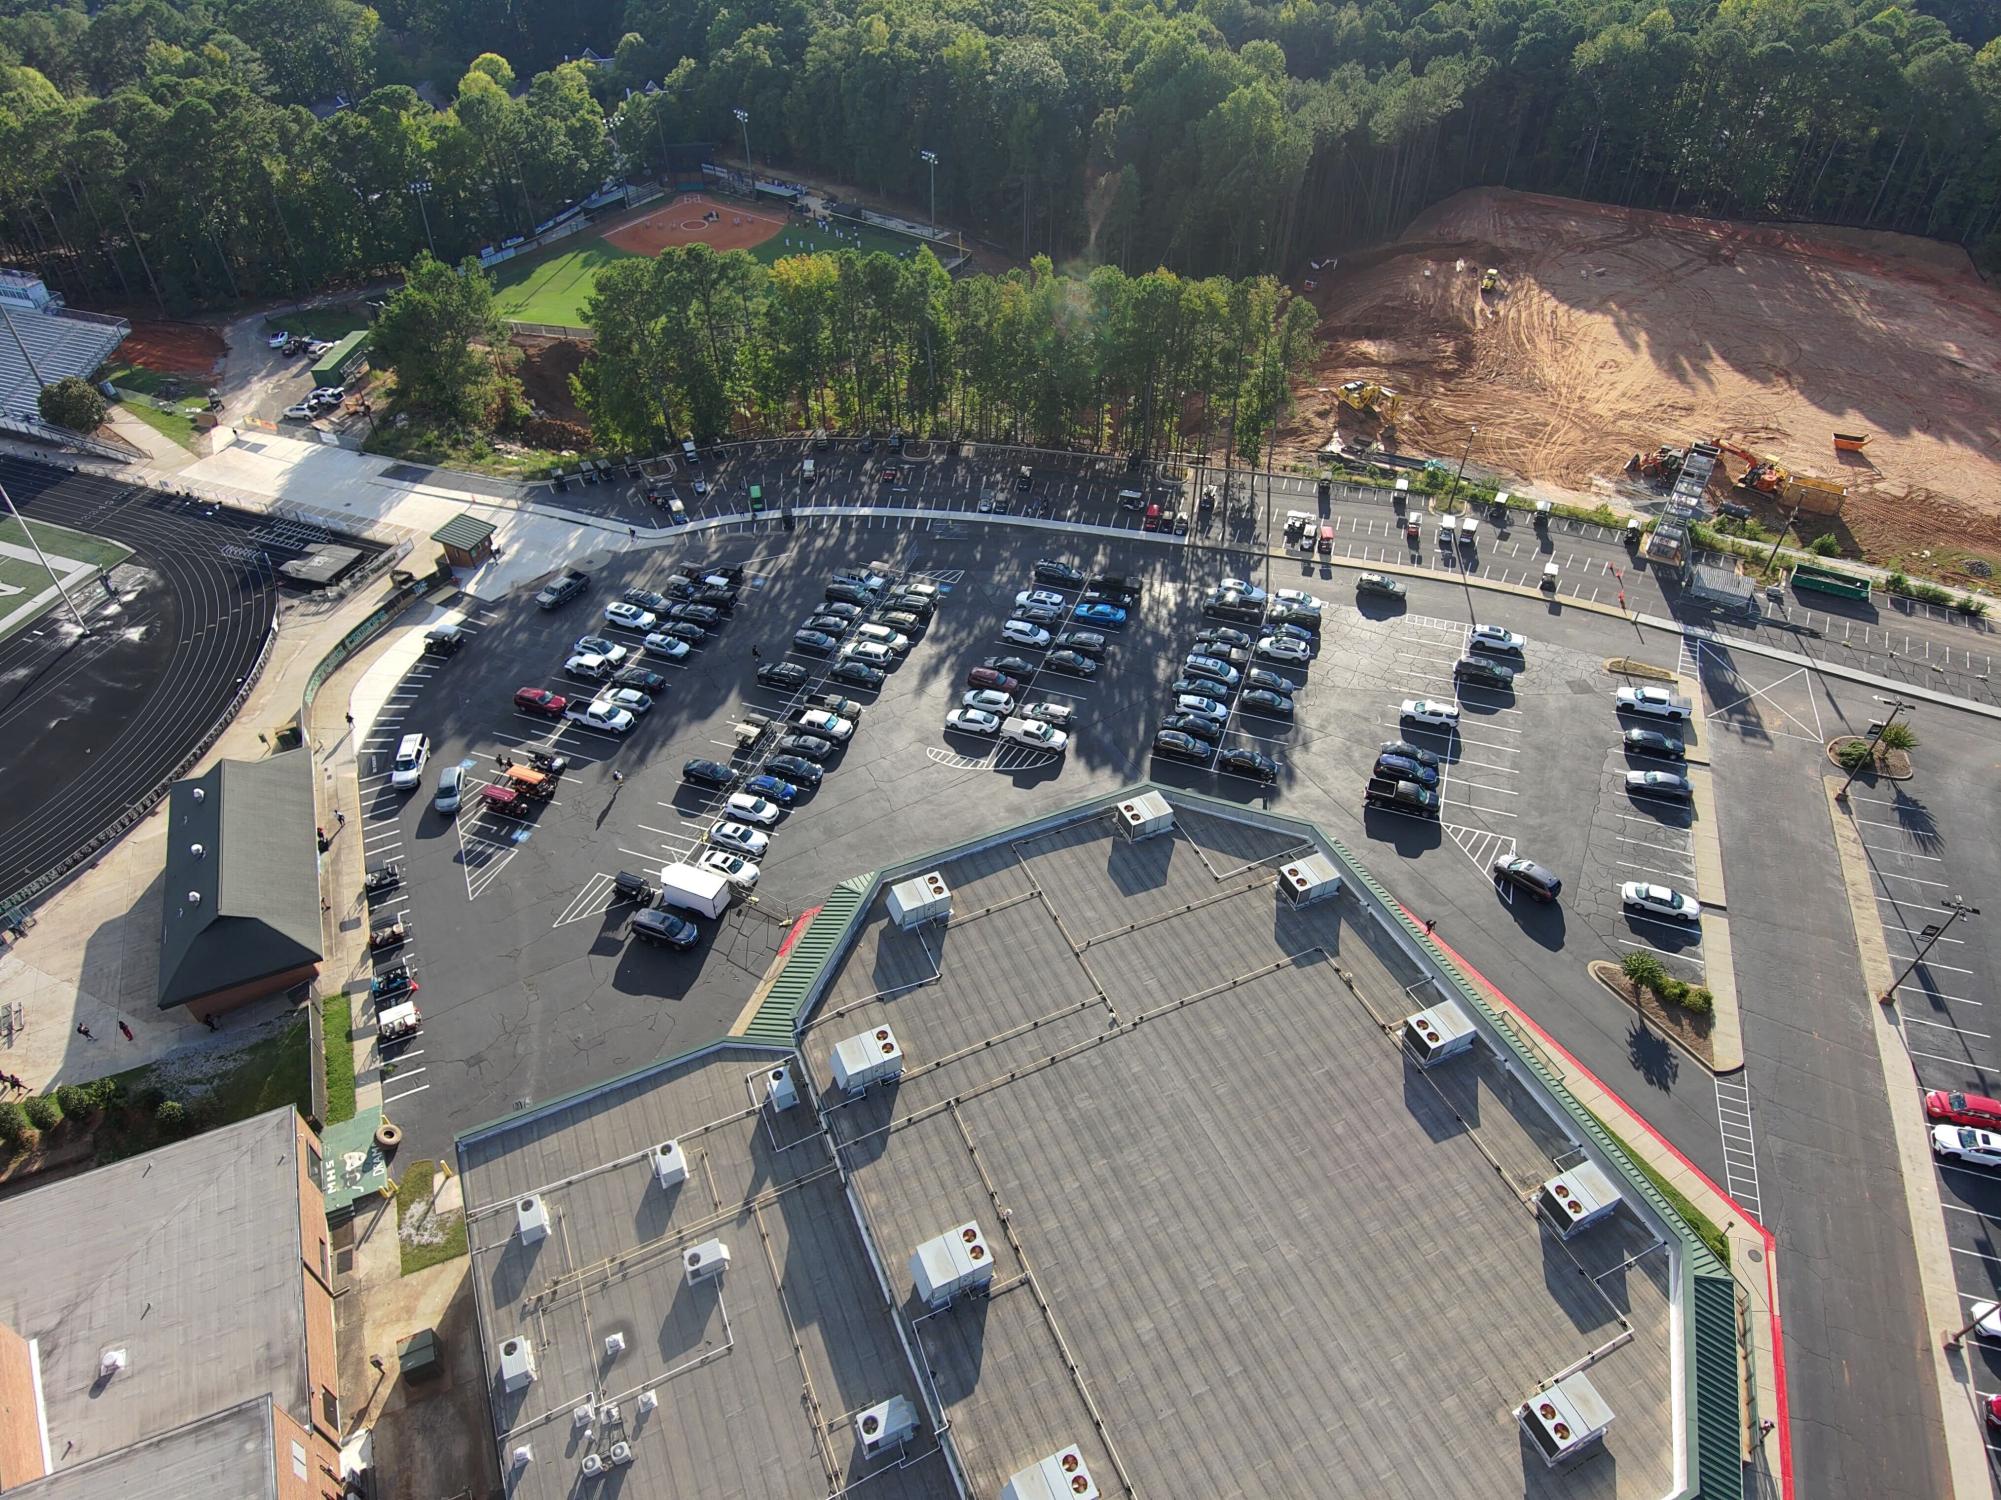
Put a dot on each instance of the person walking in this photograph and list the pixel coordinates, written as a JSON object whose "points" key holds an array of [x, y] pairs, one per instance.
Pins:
{"points": [[84, 1031], [755, 654], [125, 1031], [340, 817]]}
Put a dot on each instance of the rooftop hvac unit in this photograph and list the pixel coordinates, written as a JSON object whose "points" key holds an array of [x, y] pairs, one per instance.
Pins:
{"points": [[1436, 1034], [614, 1345], [1308, 880], [109, 1363], [921, 899], [779, 1089], [955, 1262], [583, 1415], [869, 1058], [1061, 1476], [594, 1465], [1143, 816], [710, 1258], [517, 1364], [649, 1401], [522, 1456], [621, 1452], [531, 1219], [1578, 1198], [1565, 1419], [670, 1167], [888, 1425]]}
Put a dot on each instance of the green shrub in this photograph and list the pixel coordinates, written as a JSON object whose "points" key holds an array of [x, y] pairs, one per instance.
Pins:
{"points": [[151, 1098], [73, 402], [1824, 546], [1643, 970], [1898, 582], [44, 1113], [1969, 606], [171, 1116], [75, 1098], [13, 1123], [1673, 991], [1698, 1001], [1898, 737], [108, 1092], [1854, 754]]}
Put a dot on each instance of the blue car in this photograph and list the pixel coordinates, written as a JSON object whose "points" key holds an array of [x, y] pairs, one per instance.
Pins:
{"points": [[775, 788], [1101, 614], [1403, 768]]}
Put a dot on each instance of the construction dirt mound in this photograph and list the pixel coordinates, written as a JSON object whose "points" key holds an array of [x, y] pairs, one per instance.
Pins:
{"points": [[1616, 330], [191, 349], [545, 367]]}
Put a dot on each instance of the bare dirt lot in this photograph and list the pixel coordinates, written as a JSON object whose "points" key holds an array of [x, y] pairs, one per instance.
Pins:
{"points": [[1617, 330], [191, 349]]}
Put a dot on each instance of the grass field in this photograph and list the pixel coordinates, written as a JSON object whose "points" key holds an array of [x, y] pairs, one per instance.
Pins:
{"points": [[177, 425], [60, 541], [23, 578], [554, 290]]}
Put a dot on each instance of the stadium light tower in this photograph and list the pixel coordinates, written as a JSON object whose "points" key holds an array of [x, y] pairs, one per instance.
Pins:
{"points": [[743, 119], [930, 159], [419, 187]]}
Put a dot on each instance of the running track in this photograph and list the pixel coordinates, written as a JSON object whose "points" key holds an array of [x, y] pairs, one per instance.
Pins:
{"points": [[91, 726]]}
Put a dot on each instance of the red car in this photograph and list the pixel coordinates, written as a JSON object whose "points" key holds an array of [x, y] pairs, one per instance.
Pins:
{"points": [[540, 701], [1152, 522], [987, 677], [1955, 1108], [1993, 1405]]}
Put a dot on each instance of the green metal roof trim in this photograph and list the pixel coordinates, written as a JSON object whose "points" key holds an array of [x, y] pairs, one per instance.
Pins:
{"points": [[1712, 1349], [463, 531], [776, 1022]]}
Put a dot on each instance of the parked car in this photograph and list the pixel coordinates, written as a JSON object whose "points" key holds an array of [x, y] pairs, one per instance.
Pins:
{"points": [[1197, 703], [1655, 742], [1062, 715], [1484, 671], [1409, 751], [855, 673], [988, 701], [1223, 635], [630, 616], [642, 680], [300, 412], [1039, 596], [1209, 666], [630, 699], [1265, 701], [1014, 666], [668, 647], [1660, 901], [601, 715], [788, 676], [882, 635], [817, 642], [872, 653], [1429, 711], [1258, 677], [772, 789], [684, 631], [987, 677], [826, 725], [739, 838], [1281, 648], [1240, 760], [1307, 620], [1532, 879], [906, 621], [1956, 1108], [1022, 633], [1171, 744], [796, 769], [734, 868], [1110, 615], [1405, 768], [972, 721], [832, 625], [1090, 642], [1656, 702], [587, 666], [1289, 632], [1966, 1145], [807, 746], [534, 700], [1660, 784], [1035, 733], [1494, 638], [597, 645], [650, 924], [1379, 585], [1070, 664], [646, 599], [848, 612], [707, 773], [1059, 573], [1209, 731], [748, 808]]}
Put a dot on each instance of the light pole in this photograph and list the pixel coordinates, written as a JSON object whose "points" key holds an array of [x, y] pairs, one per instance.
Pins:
{"points": [[743, 119], [930, 159], [1897, 706], [1784, 526], [19, 521], [1931, 935], [419, 187], [1471, 433]]}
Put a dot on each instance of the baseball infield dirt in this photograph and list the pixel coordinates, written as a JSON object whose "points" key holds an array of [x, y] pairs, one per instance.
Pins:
{"points": [[1615, 330], [683, 222], [191, 349]]}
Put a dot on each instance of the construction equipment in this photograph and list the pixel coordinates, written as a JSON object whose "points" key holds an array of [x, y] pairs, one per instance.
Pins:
{"points": [[1377, 400], [1491, 282], [1850, 442], [1769, 477], [1660, 467]]}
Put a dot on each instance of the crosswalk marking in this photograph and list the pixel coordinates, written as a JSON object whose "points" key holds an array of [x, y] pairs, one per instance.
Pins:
{"points": [[1740, 1144]]}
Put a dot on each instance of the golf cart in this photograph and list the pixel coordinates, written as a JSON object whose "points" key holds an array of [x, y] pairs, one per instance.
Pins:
{"points": [[382, 878], [392, 982], [390, 935], [397, 1023]]}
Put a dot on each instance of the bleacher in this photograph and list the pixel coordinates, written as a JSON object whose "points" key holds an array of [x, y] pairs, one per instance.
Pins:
{"points": [[38, 335]]}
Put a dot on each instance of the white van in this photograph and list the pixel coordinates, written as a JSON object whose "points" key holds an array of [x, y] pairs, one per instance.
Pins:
{"points": [[806, 471], [688, 451], [413, 751]]}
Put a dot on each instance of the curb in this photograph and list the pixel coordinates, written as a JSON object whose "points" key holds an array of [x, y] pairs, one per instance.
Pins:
{"points": [[1706, 849], [1679, 1045], [1958, 1392]]}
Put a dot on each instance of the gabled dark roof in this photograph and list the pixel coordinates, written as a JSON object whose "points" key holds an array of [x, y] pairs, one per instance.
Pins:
{"points": [[248, 905], [463, 531]]}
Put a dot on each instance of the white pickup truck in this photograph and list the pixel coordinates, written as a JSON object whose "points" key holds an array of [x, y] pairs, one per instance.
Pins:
{"points": [[1034, 732]]}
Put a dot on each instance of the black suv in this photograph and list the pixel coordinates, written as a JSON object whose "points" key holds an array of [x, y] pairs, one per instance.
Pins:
{"points": [[1060, 573], [1482, 670], [646, 599], [652, 925], [788, 675], [1526, 875]]}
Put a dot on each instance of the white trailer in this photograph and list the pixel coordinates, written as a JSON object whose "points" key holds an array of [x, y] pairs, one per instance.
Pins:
{"points": [[690, 888]]}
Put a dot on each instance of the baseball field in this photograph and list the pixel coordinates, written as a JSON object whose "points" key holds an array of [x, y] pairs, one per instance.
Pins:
{"points": [[552, 288]]}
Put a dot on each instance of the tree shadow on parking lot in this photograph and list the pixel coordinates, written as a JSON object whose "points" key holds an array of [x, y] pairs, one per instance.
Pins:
{"points": [[1409, 836], [1653, 1056]]}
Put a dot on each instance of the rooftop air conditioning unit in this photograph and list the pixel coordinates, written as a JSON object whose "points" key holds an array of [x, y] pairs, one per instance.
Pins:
{"points": [[621, 1452], [649, 1401], [1061, 1476], [594, 1465], [1436, 1034], [1143, 816], [584, 1415], [1565, 1419], [1577, 1199], [921, 899], [517, 1364], [872, 1057], [888, 1425], [955, 1262], [670, 1167], [109, 1363], [521, 1457], [1305, 881], [708, 1259], [779, 1089], [531, 1219], [614, 1345]]}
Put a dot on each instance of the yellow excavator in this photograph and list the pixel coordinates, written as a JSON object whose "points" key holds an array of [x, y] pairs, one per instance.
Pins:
{"points": [[1367, 396], [1491, 282]]}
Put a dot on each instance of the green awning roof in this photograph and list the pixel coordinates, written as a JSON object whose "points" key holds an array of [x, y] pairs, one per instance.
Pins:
{"points": [[464, 532]]}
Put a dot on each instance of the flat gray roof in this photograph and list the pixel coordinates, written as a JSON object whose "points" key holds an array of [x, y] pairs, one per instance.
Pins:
{"points": [[759, 1376], [1241, 1244], [188, 1258], [229, 1453]]}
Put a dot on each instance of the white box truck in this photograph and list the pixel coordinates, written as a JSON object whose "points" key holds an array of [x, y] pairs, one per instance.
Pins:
{"points": [[690, 888]]}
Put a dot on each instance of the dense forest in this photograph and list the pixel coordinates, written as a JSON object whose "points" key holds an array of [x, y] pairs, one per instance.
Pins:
{"points": [[181, 153], [696, 341]]}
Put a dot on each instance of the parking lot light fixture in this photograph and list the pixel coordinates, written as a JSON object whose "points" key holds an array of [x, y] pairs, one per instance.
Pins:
{"points": [[1897, 706], [930, 159], [1931, 935]]}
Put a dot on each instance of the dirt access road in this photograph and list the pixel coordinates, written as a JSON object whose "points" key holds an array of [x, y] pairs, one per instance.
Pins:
{"points": [[1618, 330]]}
